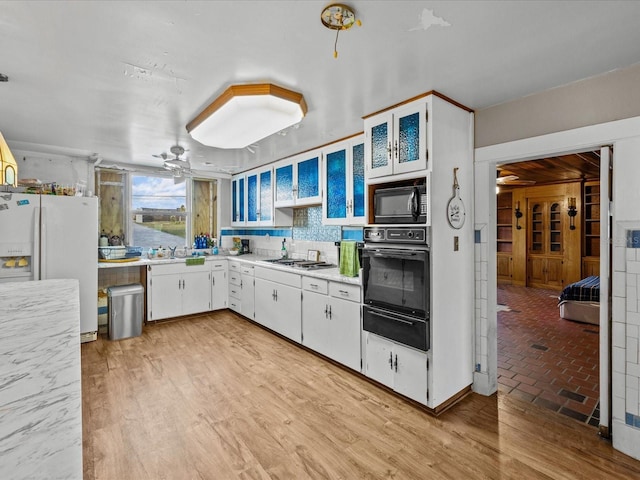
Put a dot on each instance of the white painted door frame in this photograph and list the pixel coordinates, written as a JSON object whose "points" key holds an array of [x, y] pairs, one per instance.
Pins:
{"points": [[486, 159]]}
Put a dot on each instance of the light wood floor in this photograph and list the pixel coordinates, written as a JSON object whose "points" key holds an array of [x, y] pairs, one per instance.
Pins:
{"points": [[217, 397]]}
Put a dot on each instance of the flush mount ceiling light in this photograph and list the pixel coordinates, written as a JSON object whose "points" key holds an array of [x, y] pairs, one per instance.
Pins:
{"points": [[245, 114], [338, 16]]}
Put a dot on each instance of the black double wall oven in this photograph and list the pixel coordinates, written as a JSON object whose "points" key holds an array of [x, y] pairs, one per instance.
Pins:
{"points": [[396, 278]]}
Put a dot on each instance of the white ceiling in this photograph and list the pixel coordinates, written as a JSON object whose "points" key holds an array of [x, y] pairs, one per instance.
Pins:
{"points": [[122, 79]]}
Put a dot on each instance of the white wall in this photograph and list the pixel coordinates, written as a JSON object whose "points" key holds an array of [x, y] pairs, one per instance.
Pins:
{"points": [[61, 169]]}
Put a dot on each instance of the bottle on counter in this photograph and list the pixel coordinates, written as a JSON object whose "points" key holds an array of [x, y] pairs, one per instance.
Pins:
{"points": [[283, 250]]}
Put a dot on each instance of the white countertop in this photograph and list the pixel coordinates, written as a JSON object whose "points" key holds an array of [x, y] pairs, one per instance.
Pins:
{"points": [[325, 273], [40, 380]]}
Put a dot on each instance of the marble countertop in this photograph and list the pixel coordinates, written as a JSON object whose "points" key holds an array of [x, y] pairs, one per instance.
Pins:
{"points": [[40, 380], [325, 273]]}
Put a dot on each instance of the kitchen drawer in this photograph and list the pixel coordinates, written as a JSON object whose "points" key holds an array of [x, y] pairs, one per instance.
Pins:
{"points": [[235, 291], [278, 276], [234, 304], [217, 265], [247, 269], [346, 291], [234, 267], [315, 285], [235, 278]]}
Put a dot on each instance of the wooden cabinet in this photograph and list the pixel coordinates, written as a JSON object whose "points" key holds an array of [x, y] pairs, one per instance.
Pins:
{"points": [[591, 229], [297, 181], [396, 140], [219, 284], [343, 200], [177, 289], [331, 320], [399, 367], [545, 252], [504, 237], [278, 302]]}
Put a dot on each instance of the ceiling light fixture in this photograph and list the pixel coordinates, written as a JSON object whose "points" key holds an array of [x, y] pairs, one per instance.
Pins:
{"points": [[338, 16], [245, 114]]}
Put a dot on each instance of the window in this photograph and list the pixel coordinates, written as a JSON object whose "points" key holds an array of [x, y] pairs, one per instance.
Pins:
{"points": [[159, 212]]}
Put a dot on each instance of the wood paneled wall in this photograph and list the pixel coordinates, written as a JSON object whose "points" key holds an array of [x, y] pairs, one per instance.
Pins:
{"points": [[204, 199], [110, 186]]}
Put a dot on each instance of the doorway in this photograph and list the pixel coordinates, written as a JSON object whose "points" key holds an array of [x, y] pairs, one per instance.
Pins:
{"points": [[543, 358]]}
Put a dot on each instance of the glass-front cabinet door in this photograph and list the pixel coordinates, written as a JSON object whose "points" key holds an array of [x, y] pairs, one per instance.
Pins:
{"points": [[343, 177], [259, 197], [297, 181], [238, 216], [396, 140]]}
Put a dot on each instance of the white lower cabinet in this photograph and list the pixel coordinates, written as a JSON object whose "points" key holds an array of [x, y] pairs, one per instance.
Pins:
{"points": [[247, 292], [177, 289], [401, 368], [278, 302], [331, 320], [219, 284]]}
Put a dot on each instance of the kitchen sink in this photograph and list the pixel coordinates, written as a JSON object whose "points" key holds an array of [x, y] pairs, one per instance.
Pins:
{"points": [[302, 264]]}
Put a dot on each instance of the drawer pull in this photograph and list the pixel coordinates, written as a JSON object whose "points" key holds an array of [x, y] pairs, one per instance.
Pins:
{"points": [[343, 293], [313, 285]]}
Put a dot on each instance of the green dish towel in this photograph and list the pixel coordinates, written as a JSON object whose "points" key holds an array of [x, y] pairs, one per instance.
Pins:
{"points": [[349, 262]]}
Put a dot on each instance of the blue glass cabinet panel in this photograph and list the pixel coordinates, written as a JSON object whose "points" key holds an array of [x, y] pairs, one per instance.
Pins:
{"points": [[357, 166], [284, 183], [336, 182], [265, 196], [234, 200], [252, 198], [241, 199], [409, 138], [308, 185], [379, 145]]}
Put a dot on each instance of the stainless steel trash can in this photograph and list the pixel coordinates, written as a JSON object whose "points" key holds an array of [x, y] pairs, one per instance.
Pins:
{"points": [[125, 311]]}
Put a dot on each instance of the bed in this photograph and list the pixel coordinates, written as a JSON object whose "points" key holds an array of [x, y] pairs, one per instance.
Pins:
{"points": [[580, 301]]}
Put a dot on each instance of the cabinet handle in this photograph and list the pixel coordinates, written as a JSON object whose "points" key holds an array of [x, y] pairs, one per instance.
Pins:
{"points": [[344, 293], [213, 281], [391, 360], [395, 365], [313, 285], [389, 150], [329, 312], [276, 293], [395, 148], [183, 284], [179, 284], [326, 311]]}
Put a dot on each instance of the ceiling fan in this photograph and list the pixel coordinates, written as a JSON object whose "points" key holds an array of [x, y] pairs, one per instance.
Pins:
{"points": [[177, 166], [506, 178]]}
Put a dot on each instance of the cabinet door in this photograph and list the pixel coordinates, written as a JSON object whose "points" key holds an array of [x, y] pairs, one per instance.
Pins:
{"points": [[344, 320], [315, 322], [253, 207], [238, 201], [379, 359], [166, 296], [264, 302], [287, 319], [410, 137], [378, 135], [336, 192], [219, 289], [196, 292], [357, 200], [247, 300], [410, 373], [265, 203], [307, 187], [283, 189]]}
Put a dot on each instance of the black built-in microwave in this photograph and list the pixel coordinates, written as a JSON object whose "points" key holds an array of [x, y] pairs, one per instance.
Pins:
{"points": [[404, 204]]}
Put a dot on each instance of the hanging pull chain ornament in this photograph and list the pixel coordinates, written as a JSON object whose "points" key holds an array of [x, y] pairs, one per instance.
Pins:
{"points": [[455, 207], [338, 17]]}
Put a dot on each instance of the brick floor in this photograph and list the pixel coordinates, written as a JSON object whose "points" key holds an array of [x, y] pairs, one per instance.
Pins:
{"points": [[545, 359]]}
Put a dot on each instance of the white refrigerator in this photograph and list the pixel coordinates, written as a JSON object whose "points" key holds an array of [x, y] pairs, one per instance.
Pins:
{"points": [[48, 236]]}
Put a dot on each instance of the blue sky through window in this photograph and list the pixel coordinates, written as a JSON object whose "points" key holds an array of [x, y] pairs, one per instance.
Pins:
{"points": [[157, 192]]}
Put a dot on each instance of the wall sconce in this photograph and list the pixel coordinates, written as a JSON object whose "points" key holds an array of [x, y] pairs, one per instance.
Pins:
{"points": [[572, 212], [518, 214]]}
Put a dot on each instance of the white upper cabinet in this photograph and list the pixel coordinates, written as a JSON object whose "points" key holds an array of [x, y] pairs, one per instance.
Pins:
{"points": [[252, 200], [297, 180], [238, 200], [396, 140], [343, 200]]}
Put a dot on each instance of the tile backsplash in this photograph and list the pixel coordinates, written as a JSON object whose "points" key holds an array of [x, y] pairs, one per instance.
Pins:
{"points": [[307, 233]]}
